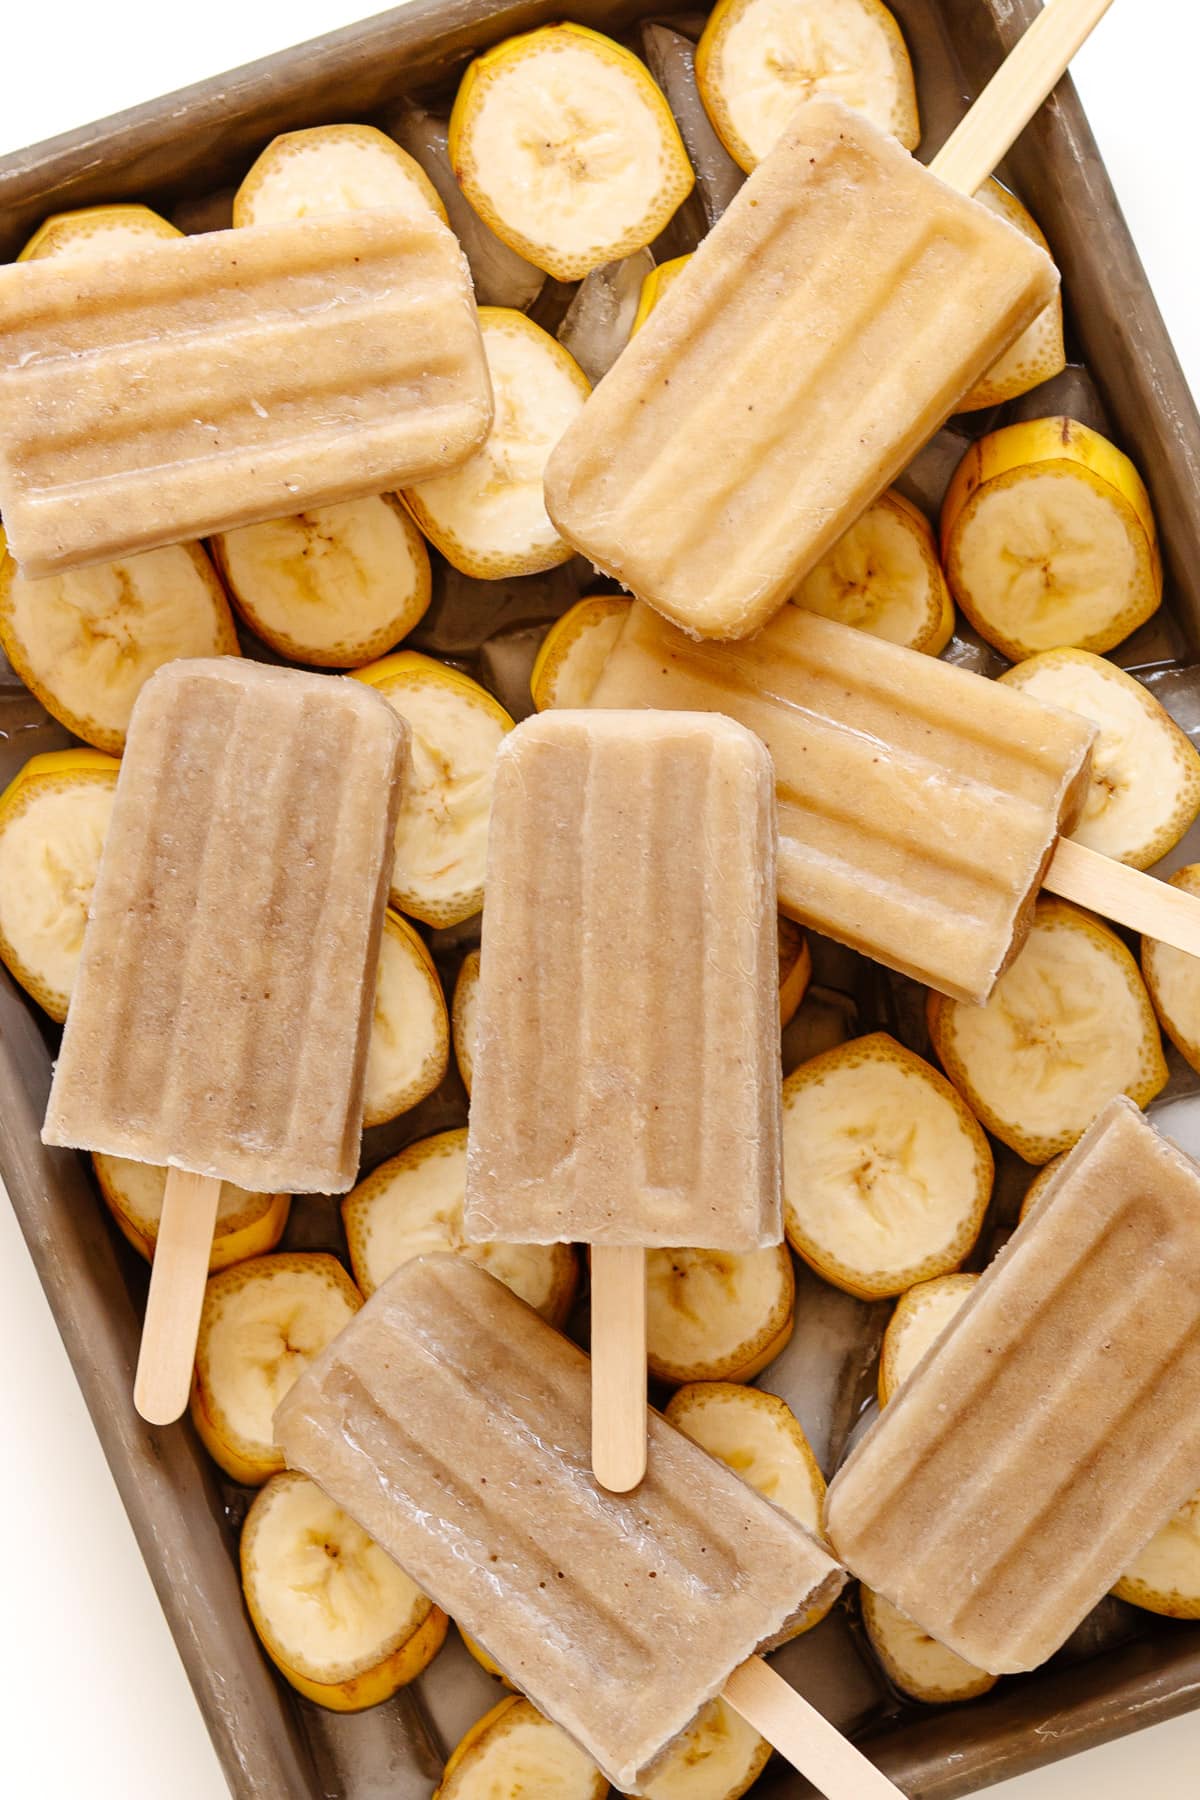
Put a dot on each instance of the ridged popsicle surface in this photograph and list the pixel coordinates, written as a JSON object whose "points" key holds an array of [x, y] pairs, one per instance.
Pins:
{"points": [[217, 380], [453, 1424], [1051, 1429], [221, 1013], [918, 808], [627, 1082], [823, 331]]}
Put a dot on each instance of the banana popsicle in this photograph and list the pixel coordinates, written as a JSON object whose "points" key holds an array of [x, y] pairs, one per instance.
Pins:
{"points": [[918, 808], [626, 1086], [452, 1423], [220, 1017], [825, 328], [218, 380], [1052, 1428]]}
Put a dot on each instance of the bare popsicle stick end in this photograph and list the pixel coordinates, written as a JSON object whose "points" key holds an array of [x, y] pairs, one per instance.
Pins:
{"points": [[618, 1366], [177, 1280], [1127, 896], [804, 1736]]}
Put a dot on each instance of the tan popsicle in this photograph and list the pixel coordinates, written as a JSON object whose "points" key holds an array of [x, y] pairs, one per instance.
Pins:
{"points": [[219, 1020], [826, 327]]}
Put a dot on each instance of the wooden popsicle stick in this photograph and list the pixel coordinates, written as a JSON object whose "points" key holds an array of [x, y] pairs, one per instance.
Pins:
{"points": [[1016, 90], [804, 1736], [618, 1366], [177, 1278], [1125, 895]]}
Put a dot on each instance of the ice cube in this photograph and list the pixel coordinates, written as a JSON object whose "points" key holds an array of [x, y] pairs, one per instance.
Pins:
{"points": [[672, 61], [599, 319]]}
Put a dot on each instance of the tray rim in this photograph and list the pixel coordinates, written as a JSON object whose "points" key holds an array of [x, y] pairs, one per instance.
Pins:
{"points": [[106, 157]]}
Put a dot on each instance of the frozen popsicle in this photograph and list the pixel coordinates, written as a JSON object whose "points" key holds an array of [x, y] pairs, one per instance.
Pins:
{"points": [[1051, 1429], [218, 380], [844, 303], [452, 1423], [219, 1020], [918, 812], [627, 1084]]}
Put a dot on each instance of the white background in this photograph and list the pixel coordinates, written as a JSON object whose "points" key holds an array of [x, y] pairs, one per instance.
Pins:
{"points": [[93, 1699]]}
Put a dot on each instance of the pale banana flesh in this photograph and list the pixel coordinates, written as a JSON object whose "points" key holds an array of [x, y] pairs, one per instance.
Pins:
{"points": [[757, 1435], [409, 1045], [883, 577], [516, 1750], [711, 1313], [718, 1757], [333, 168], [921, 1316], [917, 1663], [1165, 1576], [49, 855], [464, 1016]]}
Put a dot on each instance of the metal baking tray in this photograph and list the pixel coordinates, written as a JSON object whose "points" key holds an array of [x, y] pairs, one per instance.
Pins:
{"points": [[1123, 1669]]}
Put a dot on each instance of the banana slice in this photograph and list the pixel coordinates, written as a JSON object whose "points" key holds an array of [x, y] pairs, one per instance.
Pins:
{"points": [[336, 586], [463, 1013], [718, 1757], [795, 969], [1039, 1184], [1069, 1025], [488, 517], [412, 1205], [712, 1315], [917, 1664], [329, 169], [884, 577], [921, 1316], [441, 837], [566, 147], [86, 642], [761, 1439], [1165, 1576], [339, 1619], [484, 1660], [1039, 353], [53, 818], [409, 1048], [263, 1322], [514, 1752], [575, 650], [654, 287], [1172, 976], [1145, 784], [886, 1174], [104, 228], [247, 1224], [758, 60], [1049, 540]]}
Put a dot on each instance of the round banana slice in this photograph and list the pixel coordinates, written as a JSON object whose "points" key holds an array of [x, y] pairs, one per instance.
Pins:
{"points": [[921, 1316], [1165, 1576], [412, 1205], [1145, 783], [514, 1751], [441, 836], [886, 1174], [758, 60], [92, 228], [566, 147], [795, 969], [718, 1757], [660, 278], [463, 1016], [488, 517], [1039, 1184], [714, 1315], [575, 650], [1172, 976], [336, 586], [484, 1660], [339, 1619], [329, 169], [262, 1323], [247, 1224], [759, 1437], [86, 642], [884, 577], [1068, 1026], [53, 819], [409, 1048], [916, 1663], [1039, 352], [1049, 540]]}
